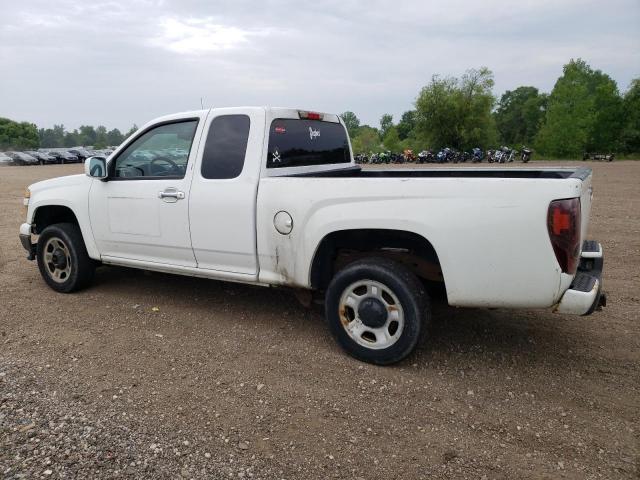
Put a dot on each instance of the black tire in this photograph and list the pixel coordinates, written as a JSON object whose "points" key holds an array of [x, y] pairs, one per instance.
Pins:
{"points": [[401, 282], [81, 266]]}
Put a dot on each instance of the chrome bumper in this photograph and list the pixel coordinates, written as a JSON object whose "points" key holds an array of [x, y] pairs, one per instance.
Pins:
{"points": [[585, 295], [25, 240]]}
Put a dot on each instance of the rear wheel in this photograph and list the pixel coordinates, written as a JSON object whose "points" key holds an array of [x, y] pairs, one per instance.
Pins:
{"points": [[63, 259], [377, 310]]}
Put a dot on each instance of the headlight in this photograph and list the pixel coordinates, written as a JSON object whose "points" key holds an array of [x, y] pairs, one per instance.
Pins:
{"points": [[26, 197]]}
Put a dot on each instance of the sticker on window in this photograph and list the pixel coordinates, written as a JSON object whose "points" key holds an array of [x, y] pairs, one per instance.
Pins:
{"points": [[313, 133]]}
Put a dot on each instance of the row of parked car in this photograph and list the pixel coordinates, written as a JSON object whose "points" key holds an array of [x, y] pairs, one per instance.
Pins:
{"points": [[52, 155]]}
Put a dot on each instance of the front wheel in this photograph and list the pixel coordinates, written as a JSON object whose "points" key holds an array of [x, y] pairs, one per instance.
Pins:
{"points": [[63, 259], [377, 310]]}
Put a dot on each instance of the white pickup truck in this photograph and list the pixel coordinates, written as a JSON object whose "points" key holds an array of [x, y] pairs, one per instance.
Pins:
{"points": [[272, 196]]}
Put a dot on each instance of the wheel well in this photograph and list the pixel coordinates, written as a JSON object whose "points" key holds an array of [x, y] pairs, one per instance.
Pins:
{"points": [[345, 246], [50, 214]]}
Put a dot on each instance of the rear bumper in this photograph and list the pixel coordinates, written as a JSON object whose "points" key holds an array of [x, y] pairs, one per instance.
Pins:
{"points": [[25, 240], [585, 294]]}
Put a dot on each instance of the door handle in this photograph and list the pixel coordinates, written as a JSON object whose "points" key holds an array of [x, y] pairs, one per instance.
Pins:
{"points": [[171, 194]]}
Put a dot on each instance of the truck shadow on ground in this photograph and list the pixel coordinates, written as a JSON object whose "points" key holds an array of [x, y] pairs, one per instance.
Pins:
{"points": [[489, 336], [534, 336]]}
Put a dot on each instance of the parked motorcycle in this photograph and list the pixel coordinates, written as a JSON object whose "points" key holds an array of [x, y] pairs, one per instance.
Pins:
{"points": [[384, 157], [397, 158], [408, 156], [491, 156], [511, 154], [426, 156], [525, 156], [504, 155], [449, 155], [476, 155]]}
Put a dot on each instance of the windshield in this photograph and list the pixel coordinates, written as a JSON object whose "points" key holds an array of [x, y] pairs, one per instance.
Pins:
{"points": [[298, 143]]}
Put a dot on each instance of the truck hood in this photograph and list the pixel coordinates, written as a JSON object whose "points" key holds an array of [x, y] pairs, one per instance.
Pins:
{"points": [[67, 181]]}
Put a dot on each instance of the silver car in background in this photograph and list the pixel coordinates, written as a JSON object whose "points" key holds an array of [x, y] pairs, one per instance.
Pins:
{"points": [[5, 159]]}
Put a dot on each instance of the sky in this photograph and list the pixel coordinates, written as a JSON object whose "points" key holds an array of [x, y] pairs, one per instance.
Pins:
{"points": [[120, 62]]}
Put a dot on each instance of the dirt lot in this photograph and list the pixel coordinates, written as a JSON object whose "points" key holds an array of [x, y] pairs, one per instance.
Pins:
{"points": [[154, 376]]}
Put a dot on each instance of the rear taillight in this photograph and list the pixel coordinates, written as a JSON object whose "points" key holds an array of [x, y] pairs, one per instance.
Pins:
{"points": [[310, 115], [563, 222]]}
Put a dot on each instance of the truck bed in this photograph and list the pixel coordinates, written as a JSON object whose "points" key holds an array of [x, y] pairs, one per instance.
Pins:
{"points": [[488, 226]]}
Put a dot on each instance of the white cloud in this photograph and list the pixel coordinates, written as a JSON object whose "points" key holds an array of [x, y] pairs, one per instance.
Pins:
{"points": [[200, 36], [46, 21]]}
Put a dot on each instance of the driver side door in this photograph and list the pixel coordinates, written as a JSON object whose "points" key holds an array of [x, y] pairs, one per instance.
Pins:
{"points": [[140, 214]]}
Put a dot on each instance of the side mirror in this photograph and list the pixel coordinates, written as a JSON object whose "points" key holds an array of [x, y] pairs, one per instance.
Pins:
{"points": [[96, 167]]}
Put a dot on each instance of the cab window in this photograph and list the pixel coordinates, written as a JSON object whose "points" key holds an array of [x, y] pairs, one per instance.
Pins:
{"points": [[161, 152], [305, 143], [226, 147]]}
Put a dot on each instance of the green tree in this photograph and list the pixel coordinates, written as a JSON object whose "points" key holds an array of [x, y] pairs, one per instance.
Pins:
{"points": [[630, 135], [406, 124], [392, 140], [18, 135], [367, 140], [101, 137], [114, 137], [386, 122], [457, 112], [351, 121], [46, 137], [412, 143], [52, 137], [87, 135], [71, 139], [584, 113], [520, 114]]}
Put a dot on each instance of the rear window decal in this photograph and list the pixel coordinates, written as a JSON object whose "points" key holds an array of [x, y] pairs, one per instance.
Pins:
{"points": [[313, 133]]}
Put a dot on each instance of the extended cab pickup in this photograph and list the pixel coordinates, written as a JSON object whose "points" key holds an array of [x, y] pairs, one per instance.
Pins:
{"points": [[271, 196]]}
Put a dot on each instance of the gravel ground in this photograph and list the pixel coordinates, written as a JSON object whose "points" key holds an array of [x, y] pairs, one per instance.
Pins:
{"points": [[155, 376]]}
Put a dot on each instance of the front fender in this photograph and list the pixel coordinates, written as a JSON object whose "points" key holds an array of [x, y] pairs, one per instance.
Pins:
{"points": [[72, 195]]}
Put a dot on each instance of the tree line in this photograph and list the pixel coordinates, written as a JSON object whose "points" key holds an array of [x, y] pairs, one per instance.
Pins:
{"points": [[25, 136], [585, 112]]}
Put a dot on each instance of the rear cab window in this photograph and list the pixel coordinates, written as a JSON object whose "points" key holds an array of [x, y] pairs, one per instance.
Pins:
{"points": [[304, 143], [226, 147]]}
